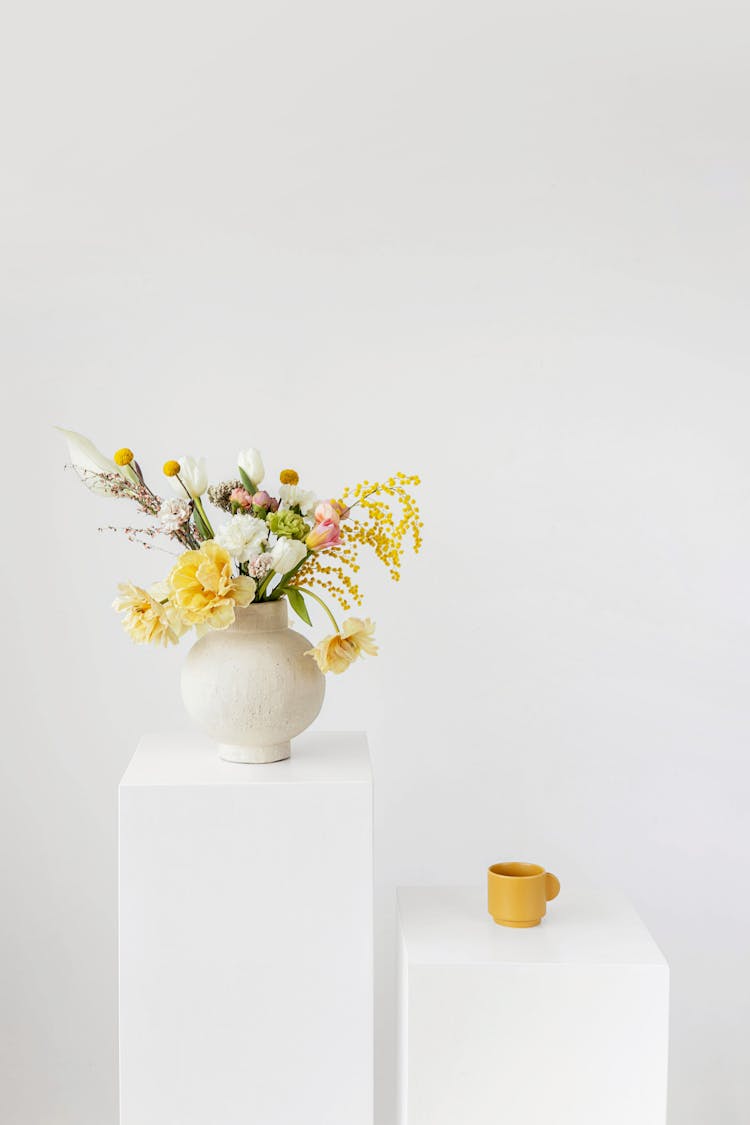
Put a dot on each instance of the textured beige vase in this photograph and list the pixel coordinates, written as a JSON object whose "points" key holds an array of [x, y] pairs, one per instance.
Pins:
{"points": [[251, 687]]}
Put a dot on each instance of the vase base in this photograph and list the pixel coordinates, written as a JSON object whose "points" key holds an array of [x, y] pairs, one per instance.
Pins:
{"points": [[255, 755]]}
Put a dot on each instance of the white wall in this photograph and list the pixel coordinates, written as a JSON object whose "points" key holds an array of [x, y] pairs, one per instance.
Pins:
{"points": [[503, 245]]}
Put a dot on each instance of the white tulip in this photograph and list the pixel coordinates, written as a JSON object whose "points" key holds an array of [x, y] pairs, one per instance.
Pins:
{"points": [[193, 475], [286, 554], [87, 459], [251, 463]]}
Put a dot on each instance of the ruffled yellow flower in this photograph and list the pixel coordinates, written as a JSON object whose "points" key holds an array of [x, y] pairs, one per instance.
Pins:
{"points": [[203, 589], [289, 476], [171, 468], [337, 652], [145, 618], [123, 456]]}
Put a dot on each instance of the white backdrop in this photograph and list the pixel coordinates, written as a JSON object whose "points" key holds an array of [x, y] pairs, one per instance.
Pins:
{"points": [[502, 245]]}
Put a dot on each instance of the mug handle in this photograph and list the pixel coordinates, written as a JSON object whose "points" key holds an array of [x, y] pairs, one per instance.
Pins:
{"points": [[551, 886]]}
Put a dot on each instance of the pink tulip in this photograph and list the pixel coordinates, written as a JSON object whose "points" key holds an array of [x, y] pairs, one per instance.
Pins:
{"points": [[340, 507], [326, 512], [324, 534]]}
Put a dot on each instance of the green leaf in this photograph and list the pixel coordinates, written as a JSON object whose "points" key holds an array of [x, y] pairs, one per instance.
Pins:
{"points": [[297, 602], [200, 523], [246, 481]]}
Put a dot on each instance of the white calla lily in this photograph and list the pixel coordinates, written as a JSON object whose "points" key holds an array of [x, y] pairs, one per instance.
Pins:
{"points": [[251, 464], [193, 475], [88, 460]]}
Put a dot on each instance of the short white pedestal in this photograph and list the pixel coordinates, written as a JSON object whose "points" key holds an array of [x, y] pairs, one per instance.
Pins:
{"points": [[566, 1023], [246, 981]]}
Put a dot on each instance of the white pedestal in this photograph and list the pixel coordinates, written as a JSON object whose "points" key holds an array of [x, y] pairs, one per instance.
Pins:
{"points": [[564, 1023], [246, 980]]}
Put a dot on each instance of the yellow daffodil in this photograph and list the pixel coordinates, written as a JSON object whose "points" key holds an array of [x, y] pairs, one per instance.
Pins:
{"points": [[145, 618], [203, 589], [337, 652]]}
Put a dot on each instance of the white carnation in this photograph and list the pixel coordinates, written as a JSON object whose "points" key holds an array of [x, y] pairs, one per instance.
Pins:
{"points": [[173, 514], [292, 496], [243, 536], [260, 566]]}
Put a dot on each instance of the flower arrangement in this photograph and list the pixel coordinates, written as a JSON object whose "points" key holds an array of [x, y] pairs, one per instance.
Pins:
{"points": [[290, 545]]}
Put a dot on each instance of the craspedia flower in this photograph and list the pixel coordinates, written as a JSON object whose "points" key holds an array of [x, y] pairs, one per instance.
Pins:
{"points": [[123, 456], [171, 468], [289, 476]]}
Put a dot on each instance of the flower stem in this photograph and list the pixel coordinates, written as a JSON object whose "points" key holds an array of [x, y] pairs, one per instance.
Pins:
{"points": [[262, 588], [310, 594], [286, 579], [361, 498], [199, 507], [201, 525]]}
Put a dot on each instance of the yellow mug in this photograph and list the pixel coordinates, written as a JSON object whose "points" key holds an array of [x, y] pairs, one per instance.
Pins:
{"points": [[518, 893]]}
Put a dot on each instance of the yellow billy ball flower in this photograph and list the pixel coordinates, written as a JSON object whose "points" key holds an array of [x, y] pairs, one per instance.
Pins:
{"points": [[171, 468], [289, 476], [123, 456]]}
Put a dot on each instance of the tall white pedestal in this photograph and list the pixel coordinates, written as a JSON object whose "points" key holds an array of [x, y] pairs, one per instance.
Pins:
{"points": [[564, 1023], [246, 983]]}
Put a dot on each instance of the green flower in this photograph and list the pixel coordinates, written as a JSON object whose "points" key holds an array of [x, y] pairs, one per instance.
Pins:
{"points": [[287, 523]]}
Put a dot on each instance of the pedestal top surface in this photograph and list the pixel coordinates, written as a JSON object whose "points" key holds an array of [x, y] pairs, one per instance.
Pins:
{"points": [[451, 926], [335, 757]]}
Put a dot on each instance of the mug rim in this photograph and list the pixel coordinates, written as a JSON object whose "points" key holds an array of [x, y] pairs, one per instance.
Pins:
{"points": [[530, 870]]}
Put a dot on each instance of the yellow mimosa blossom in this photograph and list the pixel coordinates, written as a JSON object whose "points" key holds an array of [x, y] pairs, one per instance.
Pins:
{"points": [[123, 456], [289, 476], [171, 468], [147, 620], [203, 589], [380, 516], [337, 652]]}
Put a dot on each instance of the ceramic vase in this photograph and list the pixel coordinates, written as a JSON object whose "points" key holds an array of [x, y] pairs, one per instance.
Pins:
{"points": [[252, 687]]}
